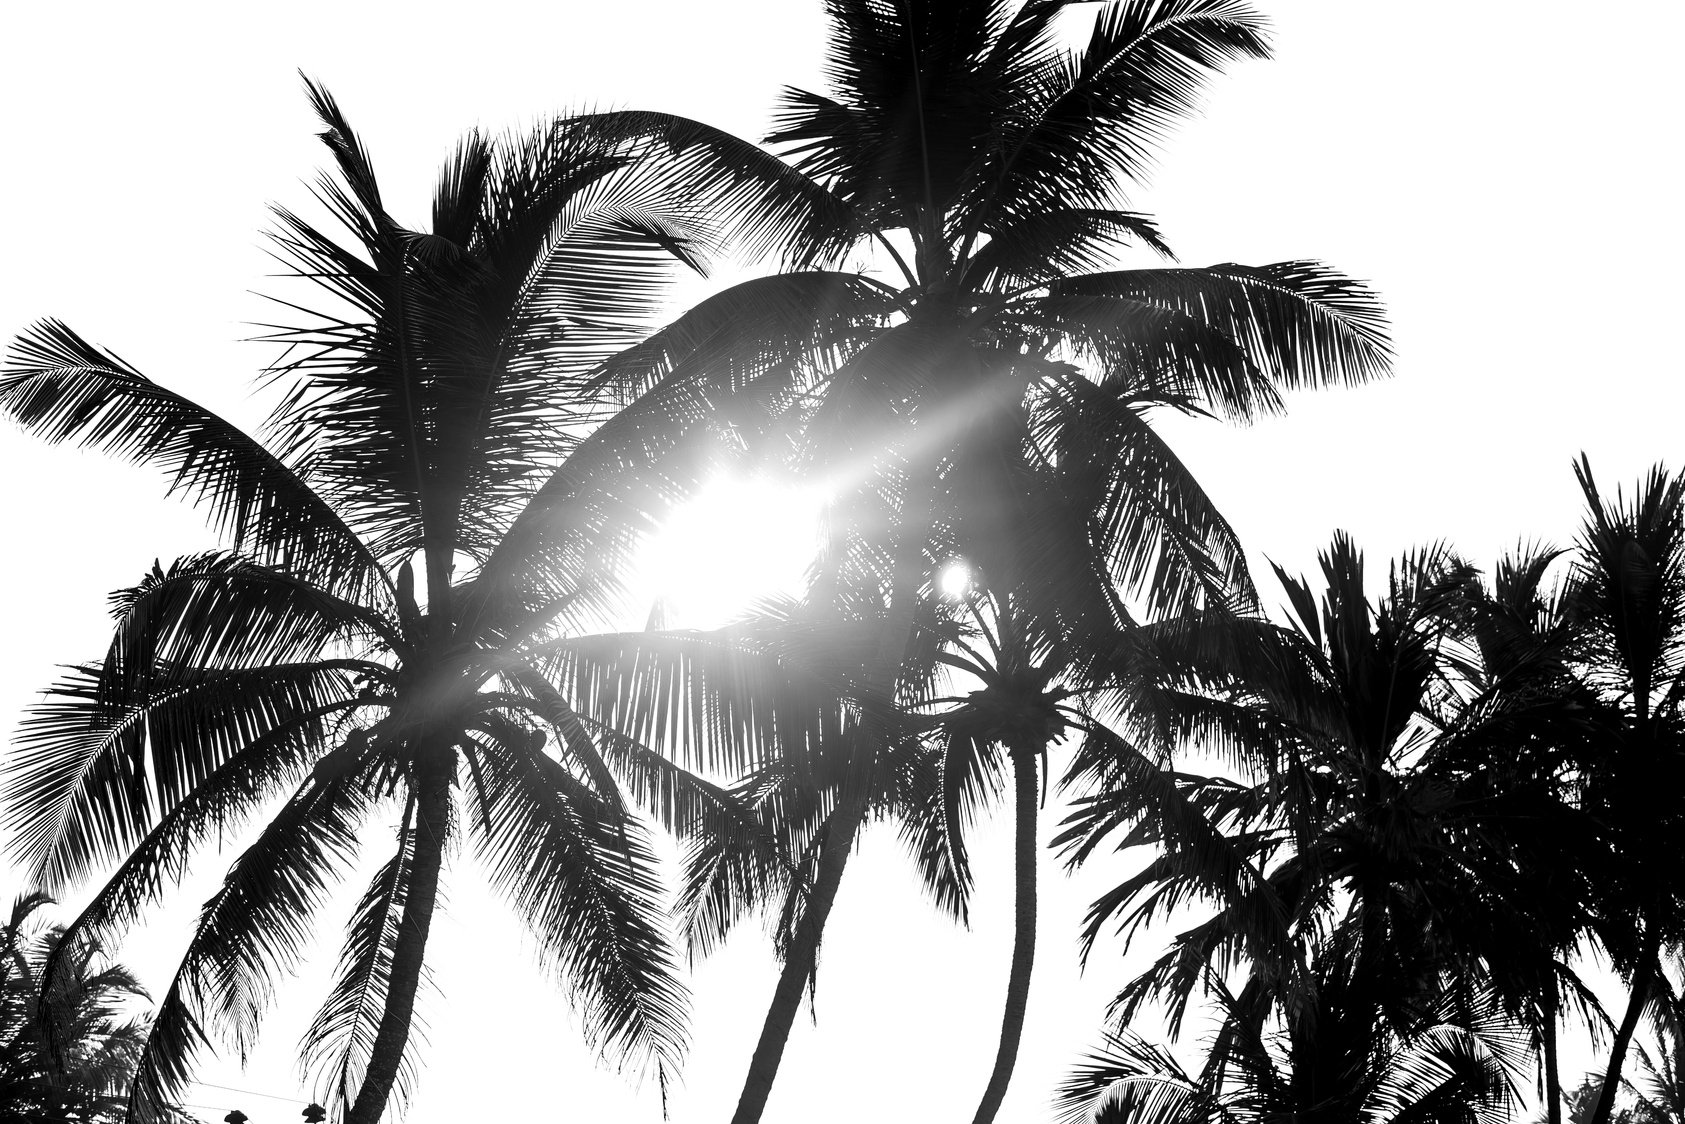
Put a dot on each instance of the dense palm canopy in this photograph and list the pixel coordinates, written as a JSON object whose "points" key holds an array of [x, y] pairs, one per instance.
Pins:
{"points": [[390, 641], [1374, 842]]}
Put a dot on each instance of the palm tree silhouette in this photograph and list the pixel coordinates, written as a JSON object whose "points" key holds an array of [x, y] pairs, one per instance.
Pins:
{"points": [[338, 655], [67, 1052], [1628, 605], [983, 160], [1659, 1092], [1458, 1064], [1526, 638]]}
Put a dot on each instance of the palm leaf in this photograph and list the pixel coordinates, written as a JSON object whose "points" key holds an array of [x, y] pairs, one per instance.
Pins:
{"points": [[60, 387], [88, 768], [254, 929], [582, 876], [340, 1039], [1097, 117]]}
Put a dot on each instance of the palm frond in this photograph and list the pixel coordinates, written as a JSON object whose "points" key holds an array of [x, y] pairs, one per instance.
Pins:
{"points": [[1097, 117], [218, 611], [1160, 531], [1297, 323], [218, 805], [58, 386], [719, 703], [254, 929], [339, 1042], [582, 876], [777, 212], [1129, 1081], [89, 769], [1055, 243]]}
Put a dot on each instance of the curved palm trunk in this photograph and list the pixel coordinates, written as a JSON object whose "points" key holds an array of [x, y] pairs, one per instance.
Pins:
{"points": [[803, 954], [387, 1053], [1023, 935], [1641, 981], [1553, 1076], [799, 963]]}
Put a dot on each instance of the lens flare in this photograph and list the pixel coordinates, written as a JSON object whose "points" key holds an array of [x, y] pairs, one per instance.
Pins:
{"points": [[736, 541]]}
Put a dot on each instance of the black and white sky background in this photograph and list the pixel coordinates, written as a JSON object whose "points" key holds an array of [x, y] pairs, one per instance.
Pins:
{"points": [[1504, 171]]}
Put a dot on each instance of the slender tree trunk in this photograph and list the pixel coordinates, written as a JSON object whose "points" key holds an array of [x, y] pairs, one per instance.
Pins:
{"points": [[432, 825], [799, 961], [885, 673], [1553, 1074], [1641, 981], [1023, 935]]}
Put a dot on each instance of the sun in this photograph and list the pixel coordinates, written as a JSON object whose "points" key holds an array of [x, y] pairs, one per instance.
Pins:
{"points": [[738, 540], [953, 580]]}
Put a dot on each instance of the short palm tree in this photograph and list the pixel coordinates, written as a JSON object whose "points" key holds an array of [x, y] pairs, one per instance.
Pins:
{"points": [[67, 1053], [982, 159], [385, 637]]}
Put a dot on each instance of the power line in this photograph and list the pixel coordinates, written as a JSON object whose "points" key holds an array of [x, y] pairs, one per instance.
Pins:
{"points": [[247, 1092]]}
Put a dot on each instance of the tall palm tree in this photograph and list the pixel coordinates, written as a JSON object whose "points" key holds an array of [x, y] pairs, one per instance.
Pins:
{"points": [[1526, 637], [982, 160], [1629, 607], [67, 1052], [410, 564]]}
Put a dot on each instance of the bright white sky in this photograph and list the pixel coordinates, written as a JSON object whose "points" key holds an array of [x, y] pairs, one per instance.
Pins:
{"points": [[1500, 170]]}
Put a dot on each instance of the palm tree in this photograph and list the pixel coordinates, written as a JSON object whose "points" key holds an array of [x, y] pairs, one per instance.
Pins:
{"points": [[1458, 1065], [982, 160], [1659, 1092], [67, 1052], [1388, 799], [1628, 603], [1526, 638], [386, 636]]}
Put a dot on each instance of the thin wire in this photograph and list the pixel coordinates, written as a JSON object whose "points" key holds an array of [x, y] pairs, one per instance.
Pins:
{"points": [[248, 1092]]}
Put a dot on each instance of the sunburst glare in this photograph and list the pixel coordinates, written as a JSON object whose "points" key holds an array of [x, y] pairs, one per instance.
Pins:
{"points": [[737, 541]]}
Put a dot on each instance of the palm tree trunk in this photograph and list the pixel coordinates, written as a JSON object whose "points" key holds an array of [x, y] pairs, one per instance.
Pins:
{"points": [[1553, 1074], [1640, 997], [1023, 936], [432, 826], [799, 961], [802, 956]]}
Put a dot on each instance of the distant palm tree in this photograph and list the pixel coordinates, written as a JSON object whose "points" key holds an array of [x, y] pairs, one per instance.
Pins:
{"points": [[68, 1052], [1388, 802], [1459, 1064], [983, 160], [337, 664]]}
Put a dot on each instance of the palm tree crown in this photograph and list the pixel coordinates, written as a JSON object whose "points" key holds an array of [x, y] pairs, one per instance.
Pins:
{"points": [[336, 666], [982, 159]]}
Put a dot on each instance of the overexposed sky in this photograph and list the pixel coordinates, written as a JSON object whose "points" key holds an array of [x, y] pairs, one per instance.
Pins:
{"points": [[1502, 171]]}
